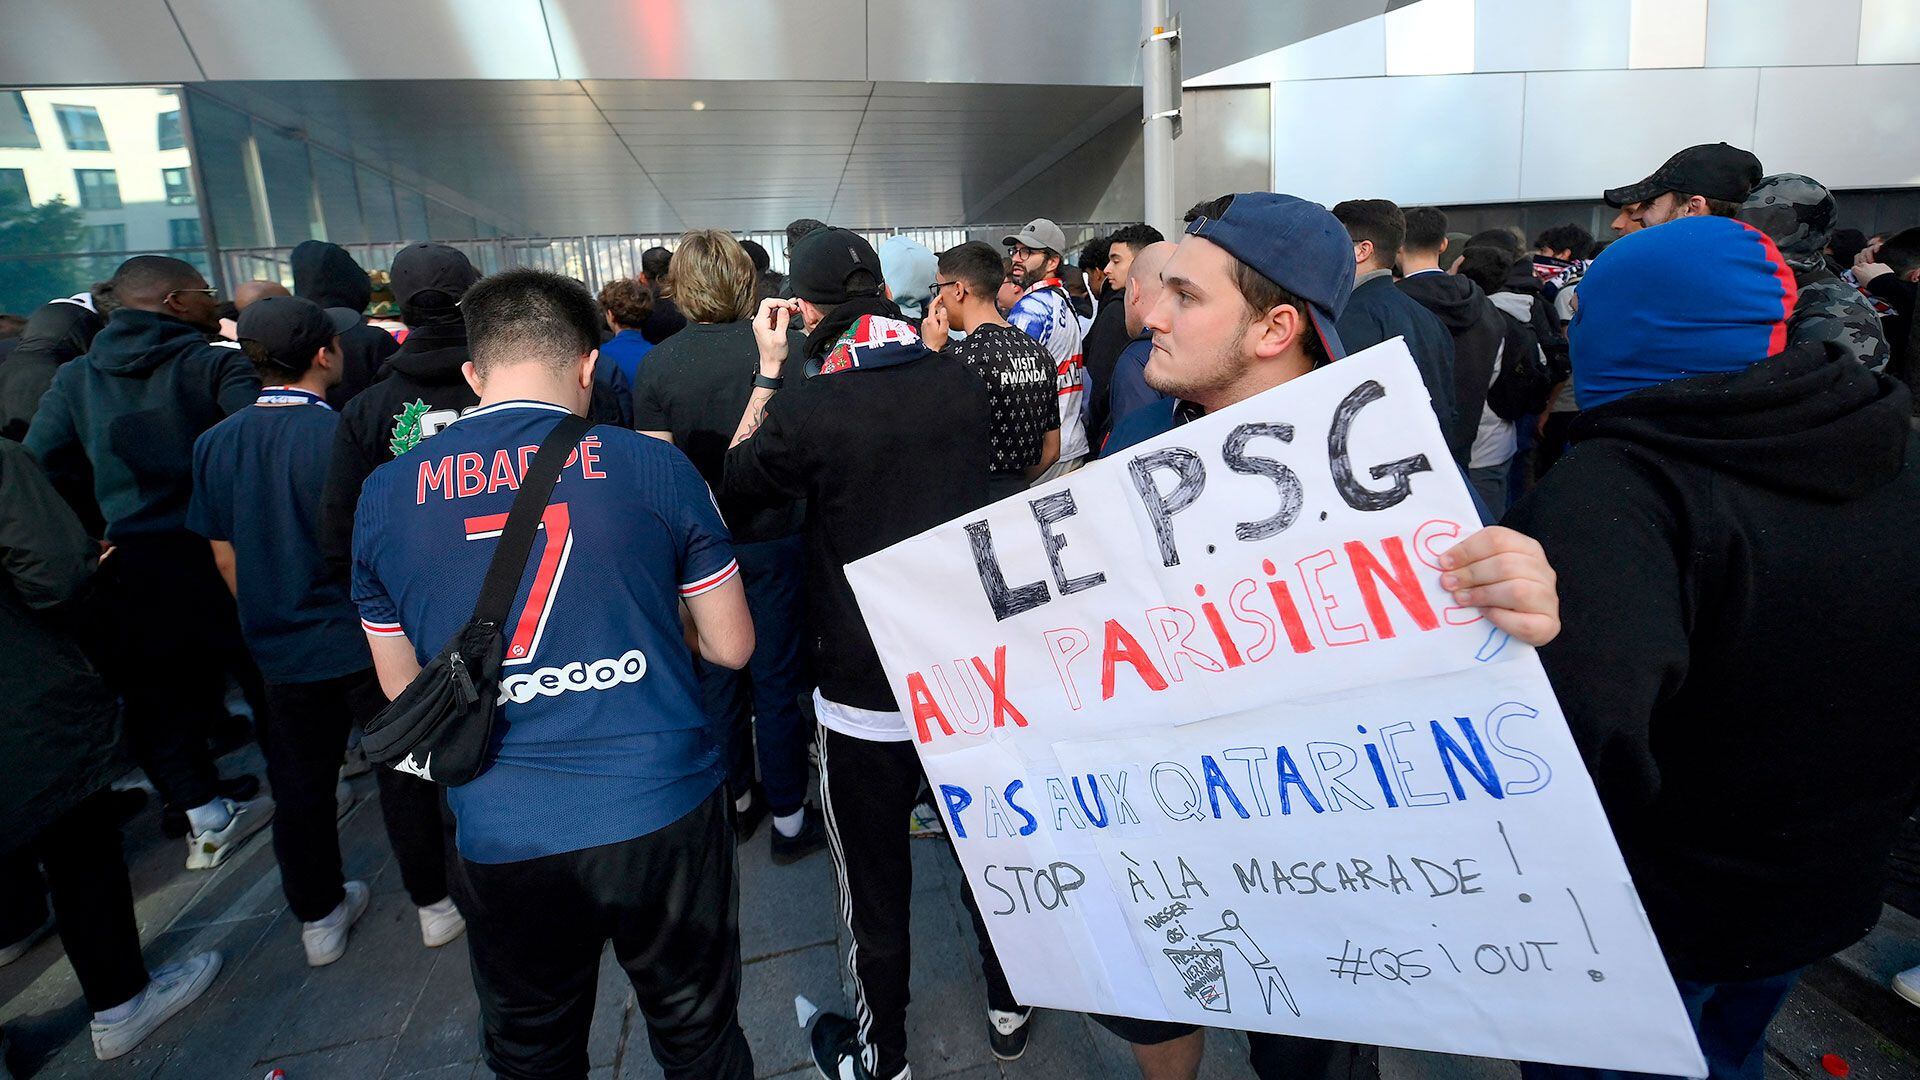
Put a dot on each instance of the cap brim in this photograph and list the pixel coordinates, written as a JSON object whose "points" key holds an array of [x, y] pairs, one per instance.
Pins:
{"points": [[1009, 241], [1632, 193], [1329, 336], [343, 319]]}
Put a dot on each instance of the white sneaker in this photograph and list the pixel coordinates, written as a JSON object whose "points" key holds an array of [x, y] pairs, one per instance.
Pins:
{"points": [[441, 923], [169, 990], [10, 953], [206, 850], [326, 940], [1907, 984]]}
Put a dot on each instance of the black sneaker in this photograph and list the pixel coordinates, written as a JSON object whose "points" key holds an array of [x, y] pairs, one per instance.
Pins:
{"points": [[835, 1041], [811, 838], [1007, 1033], [746, 821]]}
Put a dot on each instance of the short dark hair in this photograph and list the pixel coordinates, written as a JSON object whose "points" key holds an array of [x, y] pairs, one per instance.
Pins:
{"points": [[1722, 207], [1094, 255], [1260, 292], [975, 263], [1137, 236], [1377, 220], [761, 260], [627, 301], [1207, 208], [271, 369], [1504, 239], [654, 262], [527, 314], [800, 228], [1486, 267], [145, 279], [1901, 250], [1426, 229], [1569, 237]]}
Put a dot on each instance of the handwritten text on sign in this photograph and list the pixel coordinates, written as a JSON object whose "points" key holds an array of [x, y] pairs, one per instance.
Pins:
{"points": [[1213, 745]]}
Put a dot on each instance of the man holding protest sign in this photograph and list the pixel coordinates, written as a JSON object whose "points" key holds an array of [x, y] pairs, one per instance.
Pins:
{"points": [[891, 439]]}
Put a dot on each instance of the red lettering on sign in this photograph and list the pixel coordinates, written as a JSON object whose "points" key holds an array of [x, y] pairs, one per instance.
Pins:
{"points": [[1122, 648], [925, 708], [1401, 582]]}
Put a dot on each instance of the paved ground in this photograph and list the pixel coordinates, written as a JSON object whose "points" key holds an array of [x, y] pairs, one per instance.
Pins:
{"points": [[392, 1008]]}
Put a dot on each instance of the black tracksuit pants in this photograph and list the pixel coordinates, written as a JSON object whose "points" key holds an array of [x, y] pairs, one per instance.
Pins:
{"points": [[669, 903], [304, 738], [867, 791], [86, 875]]}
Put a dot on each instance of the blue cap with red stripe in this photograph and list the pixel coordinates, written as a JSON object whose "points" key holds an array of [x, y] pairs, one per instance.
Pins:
{"points": [[1697, 296], [1295, 244]]}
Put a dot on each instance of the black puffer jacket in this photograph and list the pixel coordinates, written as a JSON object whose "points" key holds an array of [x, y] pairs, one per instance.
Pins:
{"points": [[1736, 662], [55, 334], [59, 728], [325, 274]]}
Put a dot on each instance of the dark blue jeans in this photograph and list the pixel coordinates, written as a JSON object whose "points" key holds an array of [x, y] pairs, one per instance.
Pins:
{"points": [[1731, 1019], [760, 705]]}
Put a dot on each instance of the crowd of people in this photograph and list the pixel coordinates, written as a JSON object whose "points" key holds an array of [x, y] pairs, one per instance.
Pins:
{"points": [[1691, 454]]}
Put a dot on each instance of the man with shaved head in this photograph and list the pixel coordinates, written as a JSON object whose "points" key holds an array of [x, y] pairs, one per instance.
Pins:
{"points": [[1130, 390], [247, 292], [127, 413]]}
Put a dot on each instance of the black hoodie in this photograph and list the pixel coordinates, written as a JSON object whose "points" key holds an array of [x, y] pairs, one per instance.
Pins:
{"points": [[1736, 662], [325, 274], [56, 333], [1478, 331]]}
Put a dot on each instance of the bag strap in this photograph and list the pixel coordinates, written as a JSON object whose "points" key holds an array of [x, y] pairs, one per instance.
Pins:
{"points": [[523, 521]]}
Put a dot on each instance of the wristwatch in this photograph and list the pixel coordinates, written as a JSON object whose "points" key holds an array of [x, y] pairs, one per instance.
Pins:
{"points": [[762, 382]]}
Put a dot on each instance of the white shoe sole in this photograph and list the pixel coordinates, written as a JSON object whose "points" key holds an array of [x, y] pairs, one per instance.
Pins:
{"points": [[126, 1041], [202, 856], [1909, 991], [339, 947], [443, 934]]}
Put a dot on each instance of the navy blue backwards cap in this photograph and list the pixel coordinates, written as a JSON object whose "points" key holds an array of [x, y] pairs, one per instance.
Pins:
{"points": [[1295, 244]]}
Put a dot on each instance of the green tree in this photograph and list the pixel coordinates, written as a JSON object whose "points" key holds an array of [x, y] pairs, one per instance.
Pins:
{"points": [[28, 234]]}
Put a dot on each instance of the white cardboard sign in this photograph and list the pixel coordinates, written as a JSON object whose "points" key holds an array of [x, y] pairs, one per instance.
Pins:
{"points": [[1214, 746]]}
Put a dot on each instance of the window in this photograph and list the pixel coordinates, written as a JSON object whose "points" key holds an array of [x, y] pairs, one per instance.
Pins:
{"points": [[170, 137], [99, 189], [16, 126], [13, 187], [179, 184], [185, 233], [80, 125], [106, 238]]}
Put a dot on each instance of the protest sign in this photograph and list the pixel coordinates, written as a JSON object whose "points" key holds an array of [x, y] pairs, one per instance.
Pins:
{"points": [[1213, 745]]}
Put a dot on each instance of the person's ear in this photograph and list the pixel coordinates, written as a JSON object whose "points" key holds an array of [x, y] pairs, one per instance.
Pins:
{"points": [[1362, 251], [586, 369], [1276, 332], [472, 375]]}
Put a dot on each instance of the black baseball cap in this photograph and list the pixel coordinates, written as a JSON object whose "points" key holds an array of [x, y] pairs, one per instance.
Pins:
{"points": [[824, 259], [1712, 170], [428, 267], [1297, 245], [291, 329]]}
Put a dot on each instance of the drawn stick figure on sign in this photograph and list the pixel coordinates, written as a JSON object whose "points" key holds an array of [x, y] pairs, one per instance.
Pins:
{"points": [[1264, 970]]}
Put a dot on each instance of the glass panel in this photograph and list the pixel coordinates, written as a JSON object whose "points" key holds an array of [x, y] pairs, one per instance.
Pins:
{"points": [[169, 131], [179, 185], [106, 238], [413, 215], [376, 206], [289, 185], [80, 125], [99, 188], [185, 233], [16, 127], [222, 140], [13, 187], [339, 202]]}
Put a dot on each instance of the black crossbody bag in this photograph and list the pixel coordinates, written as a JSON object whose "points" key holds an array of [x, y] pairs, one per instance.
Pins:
{"points": [[440, 728]]}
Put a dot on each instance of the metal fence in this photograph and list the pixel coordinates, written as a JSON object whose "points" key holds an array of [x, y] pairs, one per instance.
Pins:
{"points": [[597, 260]]}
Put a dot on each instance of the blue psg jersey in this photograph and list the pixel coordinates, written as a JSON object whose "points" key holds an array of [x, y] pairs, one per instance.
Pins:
{"points": [[605, 738]]}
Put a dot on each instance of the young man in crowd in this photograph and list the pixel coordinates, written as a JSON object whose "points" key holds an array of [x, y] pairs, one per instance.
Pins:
{"points": [[1889, 272], [1045, 312], [691, 394], [1708, 180], [129, 411], [1378, 310], [1796, 212], [1252, 296], [625, 305], [854, 442], [1017, 370], [258, 477], [325, 274], [1720, 484], [602, 816], [1093, 262], [665, 320], [1478, 332], [1107, 338], [1130, 389]]}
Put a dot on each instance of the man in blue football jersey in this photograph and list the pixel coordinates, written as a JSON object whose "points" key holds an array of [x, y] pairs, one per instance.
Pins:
{"points": [[257, 480], [603, 815]]}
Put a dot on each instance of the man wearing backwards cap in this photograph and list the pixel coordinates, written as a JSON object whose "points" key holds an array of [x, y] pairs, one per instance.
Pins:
{"points": [[258, 476], [1711, 179], [889, 440], [1721, 526], [1252, 295]]}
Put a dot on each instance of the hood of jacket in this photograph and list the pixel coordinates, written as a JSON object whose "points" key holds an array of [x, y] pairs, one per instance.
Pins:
{"points": [[1797, 213], [1808, 422], [1457, 301], [59, 331], [136, 342], [325, 274], [1517, 304], [432, 354]]}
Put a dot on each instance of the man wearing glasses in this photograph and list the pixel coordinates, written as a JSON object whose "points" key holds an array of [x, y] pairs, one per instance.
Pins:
{"points": [[1045, 312], [127, 414]]}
